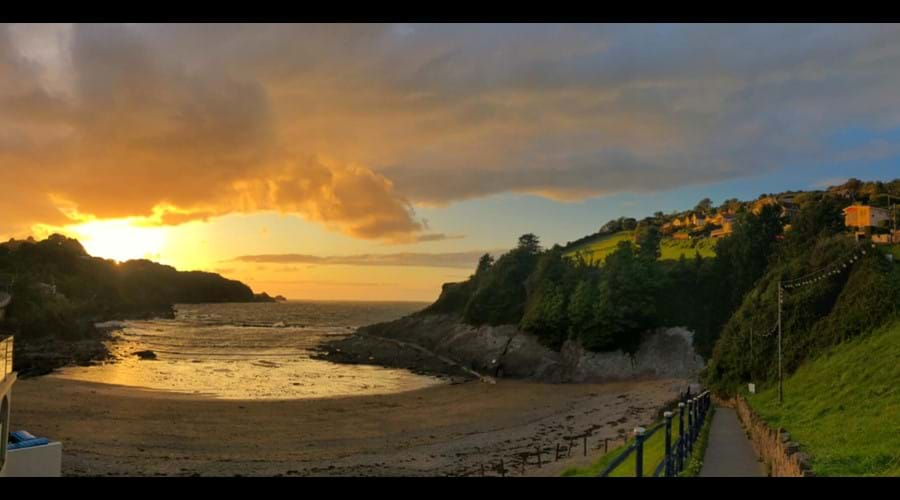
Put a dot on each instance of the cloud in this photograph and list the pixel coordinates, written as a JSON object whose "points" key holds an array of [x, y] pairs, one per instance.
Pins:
{"points": [[438, 237], [462, 260], [324, 283], [140, 134], [352, 126]]}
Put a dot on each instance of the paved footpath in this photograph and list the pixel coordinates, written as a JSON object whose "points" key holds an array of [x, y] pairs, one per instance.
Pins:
{"points": [[729, 452]]}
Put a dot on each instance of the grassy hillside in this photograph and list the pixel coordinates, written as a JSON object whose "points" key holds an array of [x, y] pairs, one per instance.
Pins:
{"points": [[672, 249], [844, 406], [595, 251]]}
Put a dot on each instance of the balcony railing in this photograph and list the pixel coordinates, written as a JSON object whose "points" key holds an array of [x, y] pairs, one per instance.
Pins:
{"points": [[6, 356]]}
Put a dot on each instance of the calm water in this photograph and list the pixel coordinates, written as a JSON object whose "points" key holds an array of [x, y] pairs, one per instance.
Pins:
{"points": [[251, 351]]}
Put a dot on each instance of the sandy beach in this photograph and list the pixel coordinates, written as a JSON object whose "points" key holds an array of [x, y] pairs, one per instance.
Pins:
{"points": [[110, 430]]}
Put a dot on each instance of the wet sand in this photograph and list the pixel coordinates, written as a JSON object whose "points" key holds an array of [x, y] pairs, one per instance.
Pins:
{"points": [[436, 431]]}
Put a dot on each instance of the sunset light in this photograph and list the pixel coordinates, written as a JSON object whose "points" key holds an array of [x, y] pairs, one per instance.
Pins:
{"points": [[120, 239], [437, 249]]}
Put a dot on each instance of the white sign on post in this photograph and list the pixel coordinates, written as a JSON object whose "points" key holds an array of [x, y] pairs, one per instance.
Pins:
{"points": [[751, 388]]}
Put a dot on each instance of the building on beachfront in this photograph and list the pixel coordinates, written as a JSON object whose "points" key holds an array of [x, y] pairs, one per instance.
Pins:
{"points": [[21, 454], [865, 216]]}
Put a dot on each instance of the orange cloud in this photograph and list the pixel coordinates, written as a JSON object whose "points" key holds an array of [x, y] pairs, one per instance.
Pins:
{"points": [[140, 136]]}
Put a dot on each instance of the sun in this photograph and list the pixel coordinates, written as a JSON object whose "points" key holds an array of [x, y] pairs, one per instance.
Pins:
{"points": [[120, 239]]}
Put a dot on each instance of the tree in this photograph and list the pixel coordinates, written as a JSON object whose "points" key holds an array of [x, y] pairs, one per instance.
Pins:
{"points": [[704, 205], [648, 238], [626, 302], [530, 243]]}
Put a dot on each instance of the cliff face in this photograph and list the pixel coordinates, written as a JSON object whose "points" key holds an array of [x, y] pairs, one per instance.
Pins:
{"points": [[504, 351]]}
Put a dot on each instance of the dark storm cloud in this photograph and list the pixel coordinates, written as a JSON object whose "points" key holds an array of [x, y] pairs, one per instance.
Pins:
{"points": [[350, 125]]}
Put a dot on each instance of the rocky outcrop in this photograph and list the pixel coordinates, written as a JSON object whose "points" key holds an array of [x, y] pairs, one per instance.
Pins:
{"points": [[505, 351]]}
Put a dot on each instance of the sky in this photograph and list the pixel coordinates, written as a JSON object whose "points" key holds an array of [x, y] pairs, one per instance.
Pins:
{"points": [[376, 162]]}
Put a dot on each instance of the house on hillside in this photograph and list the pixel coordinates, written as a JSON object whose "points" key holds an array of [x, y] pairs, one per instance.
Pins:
{"points": [[681, 236], [698, 220], [727, 226], [861, 216]]}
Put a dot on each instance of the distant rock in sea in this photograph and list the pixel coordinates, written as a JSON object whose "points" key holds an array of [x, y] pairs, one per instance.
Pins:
{"points": [[145, 354]]}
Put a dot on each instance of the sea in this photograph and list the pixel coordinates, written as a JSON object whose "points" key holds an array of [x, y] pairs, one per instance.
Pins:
{"points": [[251, 351]]}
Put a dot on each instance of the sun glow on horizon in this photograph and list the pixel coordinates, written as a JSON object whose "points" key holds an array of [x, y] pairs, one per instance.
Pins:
{"points": [[120, 239]]}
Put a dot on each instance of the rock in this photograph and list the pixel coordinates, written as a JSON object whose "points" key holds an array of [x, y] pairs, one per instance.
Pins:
{"points": [[148, 354], [791, 447], [505, 351], [785, 437]]}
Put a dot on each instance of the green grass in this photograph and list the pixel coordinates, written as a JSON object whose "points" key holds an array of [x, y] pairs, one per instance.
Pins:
{"points": [[594, 252], [672, 249], [895, 250], [844, 407], [654, 451]]}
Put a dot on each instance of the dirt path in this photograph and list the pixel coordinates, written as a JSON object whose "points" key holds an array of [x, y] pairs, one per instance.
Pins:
{"points": [[438, 431], [729, 452]]}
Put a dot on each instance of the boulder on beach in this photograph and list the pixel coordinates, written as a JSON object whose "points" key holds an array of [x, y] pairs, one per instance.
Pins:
{"points": [[148, 354]]}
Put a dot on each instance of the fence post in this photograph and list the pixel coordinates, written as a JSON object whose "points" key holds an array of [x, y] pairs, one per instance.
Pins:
{"points": [[668, 457], [690, 426], [680, 450], [639, 451], [697, 419]]}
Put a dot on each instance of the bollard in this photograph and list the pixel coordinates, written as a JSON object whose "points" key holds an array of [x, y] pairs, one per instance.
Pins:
{"points": [[668, 456], [482, 470], [605, 446], [585, 445], [502, 469], [539, 456], [557, 453], [639, 451]]}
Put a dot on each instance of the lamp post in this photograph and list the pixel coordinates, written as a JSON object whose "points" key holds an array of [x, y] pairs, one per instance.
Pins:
{"points": [[780, 375]]}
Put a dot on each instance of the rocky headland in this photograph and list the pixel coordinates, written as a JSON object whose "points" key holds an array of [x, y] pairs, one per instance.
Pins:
{"points": [[443, 344]]}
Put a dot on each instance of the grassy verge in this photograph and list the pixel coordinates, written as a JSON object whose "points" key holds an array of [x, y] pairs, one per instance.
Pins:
{"points": [[654, 451], [695, 463], [844, 407]]}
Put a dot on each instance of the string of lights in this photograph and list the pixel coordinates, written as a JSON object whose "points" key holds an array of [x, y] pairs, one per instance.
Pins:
{"points": [[832, 269]]}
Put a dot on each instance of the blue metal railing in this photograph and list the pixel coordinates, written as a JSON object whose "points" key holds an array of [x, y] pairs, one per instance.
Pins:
{"points": [[677, 453]]}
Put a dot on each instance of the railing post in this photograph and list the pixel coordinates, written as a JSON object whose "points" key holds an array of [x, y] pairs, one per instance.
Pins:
{"points": [[680, 437], [639, 451], [690, 427], [668, 459], [697, 419]]}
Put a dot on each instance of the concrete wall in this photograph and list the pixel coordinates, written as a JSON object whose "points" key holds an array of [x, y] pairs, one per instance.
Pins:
{"points": [[37, 461]]}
